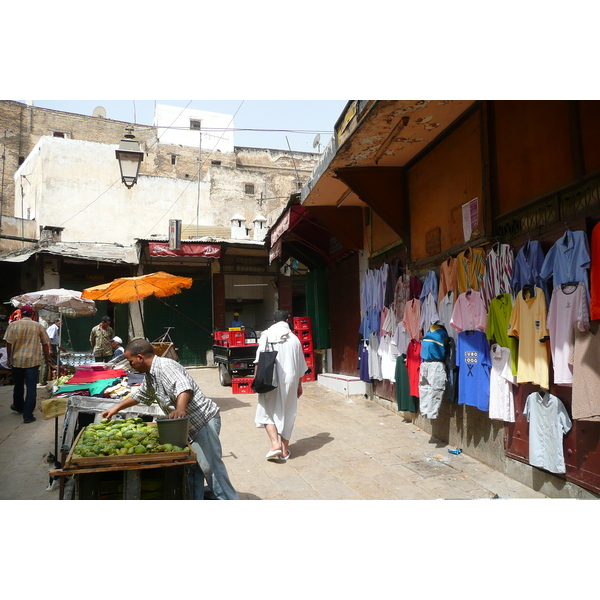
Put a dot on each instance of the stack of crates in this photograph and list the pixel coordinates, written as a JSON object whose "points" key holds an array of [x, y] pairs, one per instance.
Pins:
{"points": [[303, 331]]}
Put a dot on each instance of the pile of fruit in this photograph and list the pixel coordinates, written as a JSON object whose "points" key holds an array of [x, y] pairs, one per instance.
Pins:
{"points": [[123, 436]]}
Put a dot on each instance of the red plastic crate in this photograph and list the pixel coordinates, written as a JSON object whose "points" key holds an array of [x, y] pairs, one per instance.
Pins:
{"points": [[237, 338], [302, 323], [303, 334], [309, 357], [221, 336], [309, 377], [307, 345], [242, 385]]}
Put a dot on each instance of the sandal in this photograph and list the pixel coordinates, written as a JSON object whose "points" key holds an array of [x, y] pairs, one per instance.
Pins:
{"points": [[286, 457]]}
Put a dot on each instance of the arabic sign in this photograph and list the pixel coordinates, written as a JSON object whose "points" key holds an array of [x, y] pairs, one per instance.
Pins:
{"points": [[187, 249]]}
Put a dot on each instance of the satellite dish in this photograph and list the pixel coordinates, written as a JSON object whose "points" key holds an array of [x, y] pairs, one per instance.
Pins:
{"points": [[99, 111], [317, 140]]}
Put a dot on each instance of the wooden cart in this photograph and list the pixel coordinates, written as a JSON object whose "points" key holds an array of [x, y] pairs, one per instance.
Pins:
{"points": [[159, 475]]}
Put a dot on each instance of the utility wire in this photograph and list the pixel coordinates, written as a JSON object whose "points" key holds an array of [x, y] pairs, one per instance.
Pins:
{"points": [[198, 174]]}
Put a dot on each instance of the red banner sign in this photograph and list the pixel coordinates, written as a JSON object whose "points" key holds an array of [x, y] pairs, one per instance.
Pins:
{"points": [[204, 250]]}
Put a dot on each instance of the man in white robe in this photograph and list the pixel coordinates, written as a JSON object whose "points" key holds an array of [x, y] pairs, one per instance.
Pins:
{"points": [[276, 410]]}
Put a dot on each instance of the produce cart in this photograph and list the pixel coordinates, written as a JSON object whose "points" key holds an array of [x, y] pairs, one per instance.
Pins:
{"points": [[127, 477]]}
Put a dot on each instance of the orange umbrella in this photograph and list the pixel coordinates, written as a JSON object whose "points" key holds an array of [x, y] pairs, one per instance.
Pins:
{"points": [[132, 289]]}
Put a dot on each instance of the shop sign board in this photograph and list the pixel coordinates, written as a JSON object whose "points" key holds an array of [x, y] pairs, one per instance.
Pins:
{"points": [[186, 249]]}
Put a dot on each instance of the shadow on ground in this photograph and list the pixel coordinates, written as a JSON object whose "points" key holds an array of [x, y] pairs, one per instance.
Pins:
{"points": [[228, 403], [305, 445]]}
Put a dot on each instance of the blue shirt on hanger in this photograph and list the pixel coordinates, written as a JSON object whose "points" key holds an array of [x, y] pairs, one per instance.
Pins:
{"points": [[568, 260], [527, 269]]}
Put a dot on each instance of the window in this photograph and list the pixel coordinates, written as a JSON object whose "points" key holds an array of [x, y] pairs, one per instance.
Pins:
{"points": [[59, 134], [215, 162], [195, 124], [173, 159], [249, 187]]}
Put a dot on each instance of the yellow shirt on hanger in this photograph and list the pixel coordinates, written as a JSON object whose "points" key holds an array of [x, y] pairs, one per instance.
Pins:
{"points": [[528, 324], [470, 269]]}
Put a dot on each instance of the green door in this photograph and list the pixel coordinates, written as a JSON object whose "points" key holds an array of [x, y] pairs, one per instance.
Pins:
{"points": [[317, 306], [190, 316]]}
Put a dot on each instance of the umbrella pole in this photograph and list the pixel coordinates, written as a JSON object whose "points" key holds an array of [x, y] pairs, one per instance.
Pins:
{"points": [[142, 319]]}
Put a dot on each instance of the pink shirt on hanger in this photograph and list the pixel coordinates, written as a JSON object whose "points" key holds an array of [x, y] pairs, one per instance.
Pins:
{"points": [[469, 312]]}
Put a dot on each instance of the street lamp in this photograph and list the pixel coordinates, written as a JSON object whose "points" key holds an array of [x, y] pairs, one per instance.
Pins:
{"points": [[129, 156]]}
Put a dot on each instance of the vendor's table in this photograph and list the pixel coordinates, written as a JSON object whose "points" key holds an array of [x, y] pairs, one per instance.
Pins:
{"points": [[129, 477]]}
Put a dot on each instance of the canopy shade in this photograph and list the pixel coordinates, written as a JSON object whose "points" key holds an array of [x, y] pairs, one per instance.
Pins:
{"points": [[70, 303], [133, 289]]}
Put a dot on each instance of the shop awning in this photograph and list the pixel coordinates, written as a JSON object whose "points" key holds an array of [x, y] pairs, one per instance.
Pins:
{"points": [[187, 249], [300, 234]]}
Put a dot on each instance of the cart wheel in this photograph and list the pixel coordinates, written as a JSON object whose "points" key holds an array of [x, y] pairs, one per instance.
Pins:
{"points": [[224, 375]]}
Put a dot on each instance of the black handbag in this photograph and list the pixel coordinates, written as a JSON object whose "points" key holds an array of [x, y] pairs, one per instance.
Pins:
{"points": [[265, 379]]}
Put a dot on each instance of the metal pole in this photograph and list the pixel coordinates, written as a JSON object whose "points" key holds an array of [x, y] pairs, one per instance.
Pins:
{"points": [[199, 177]]}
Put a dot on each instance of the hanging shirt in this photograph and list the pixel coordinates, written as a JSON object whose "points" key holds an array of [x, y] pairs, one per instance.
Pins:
{"points": [[585, 405], [447, 279], [528, 324], [568, 260], [502, 403], [527, 269], [473, 362], [469, 312], [401, 296], [430, 286], [413, 365], [400, 340], [498, 272], [445, 308], [595, 274], [374, 359], [412, 319], [433, 344], [568, 307], [497, 326], [404, 398], [415, 287], [387, 359], [548, 423], [470, 269], [429, 313]]}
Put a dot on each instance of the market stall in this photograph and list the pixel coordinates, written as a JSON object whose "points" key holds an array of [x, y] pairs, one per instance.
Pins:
{"points": [[151, 474]]}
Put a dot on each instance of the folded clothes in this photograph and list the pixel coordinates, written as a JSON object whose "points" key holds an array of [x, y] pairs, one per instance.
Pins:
{"points": [[91, 376], [95, 388]]}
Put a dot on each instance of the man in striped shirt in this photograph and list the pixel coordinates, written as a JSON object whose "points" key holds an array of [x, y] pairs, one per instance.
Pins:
{"points": [[170, 385]]}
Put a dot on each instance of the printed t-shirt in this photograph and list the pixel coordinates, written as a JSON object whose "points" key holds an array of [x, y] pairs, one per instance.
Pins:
{"points": [[528, 324], [473, 362], [568, 307]]}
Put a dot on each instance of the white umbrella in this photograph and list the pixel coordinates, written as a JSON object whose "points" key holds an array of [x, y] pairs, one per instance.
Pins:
{"points": [[67, 302]]}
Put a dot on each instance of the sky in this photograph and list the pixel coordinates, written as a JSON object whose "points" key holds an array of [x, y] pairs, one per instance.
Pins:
{"points": [[280, 121]]}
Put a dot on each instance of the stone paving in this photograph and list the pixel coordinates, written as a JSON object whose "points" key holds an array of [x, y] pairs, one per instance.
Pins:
{"points": [[341, 449]]}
